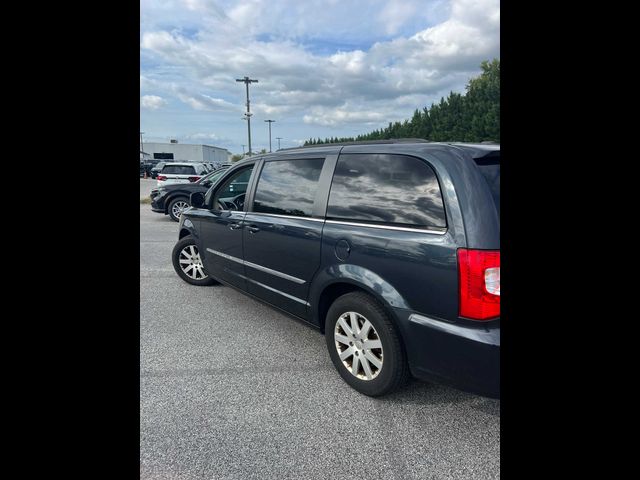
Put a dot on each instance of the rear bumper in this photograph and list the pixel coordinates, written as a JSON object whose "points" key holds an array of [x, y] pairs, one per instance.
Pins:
{"points": [[463, 357]]}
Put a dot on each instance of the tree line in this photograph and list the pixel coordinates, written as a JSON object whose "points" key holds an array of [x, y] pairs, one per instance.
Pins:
{"points": [[472, 117]]}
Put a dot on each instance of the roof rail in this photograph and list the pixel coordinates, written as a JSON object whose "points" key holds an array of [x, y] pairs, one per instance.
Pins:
{"points": [[360, 142]]}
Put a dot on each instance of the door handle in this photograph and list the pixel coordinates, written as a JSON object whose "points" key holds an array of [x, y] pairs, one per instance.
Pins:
{"points": [[253, 229], [235, 226]]}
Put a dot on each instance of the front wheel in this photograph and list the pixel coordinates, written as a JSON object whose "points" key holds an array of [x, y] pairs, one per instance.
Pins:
{"points": [[176, 207], [188, 263], [364, 345]]}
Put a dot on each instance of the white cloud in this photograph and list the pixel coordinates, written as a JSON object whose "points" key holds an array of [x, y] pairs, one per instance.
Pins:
{"points": [[339, 64], [152, 102], [339, 116], [201, 101]]}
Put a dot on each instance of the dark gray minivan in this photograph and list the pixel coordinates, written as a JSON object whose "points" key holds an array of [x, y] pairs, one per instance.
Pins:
{"points": [[391, 249]]}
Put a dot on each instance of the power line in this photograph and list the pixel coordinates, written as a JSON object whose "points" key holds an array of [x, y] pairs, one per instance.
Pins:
{"points": [[247, 81]]}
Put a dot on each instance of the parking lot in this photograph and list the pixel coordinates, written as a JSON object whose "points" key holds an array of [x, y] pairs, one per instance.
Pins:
{"points": [[232, 389]]}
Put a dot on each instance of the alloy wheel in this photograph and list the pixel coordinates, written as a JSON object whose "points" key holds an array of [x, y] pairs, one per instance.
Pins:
{"points": [[359, 346], [191, 263], [178, 208]]}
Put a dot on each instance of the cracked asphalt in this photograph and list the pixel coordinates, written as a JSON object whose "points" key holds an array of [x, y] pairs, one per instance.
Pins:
{"points": [[232, 389]]}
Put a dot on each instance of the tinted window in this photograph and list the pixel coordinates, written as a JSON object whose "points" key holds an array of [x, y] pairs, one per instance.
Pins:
{"points": [[179, 170], [490, 169], [234, 186], [288, 187], [211, 178], [392, 189]]}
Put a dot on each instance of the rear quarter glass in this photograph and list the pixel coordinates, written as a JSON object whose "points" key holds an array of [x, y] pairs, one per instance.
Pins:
{"points": [[490, 170]]}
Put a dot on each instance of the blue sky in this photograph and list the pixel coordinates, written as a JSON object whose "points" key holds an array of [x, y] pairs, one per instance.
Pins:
{"points": [[325, 68]]}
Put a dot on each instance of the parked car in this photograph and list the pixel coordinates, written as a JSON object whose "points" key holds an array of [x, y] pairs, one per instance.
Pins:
{"points": [[157, 169], [391, 249], [145, 166], [180, 172], [173, 199]]}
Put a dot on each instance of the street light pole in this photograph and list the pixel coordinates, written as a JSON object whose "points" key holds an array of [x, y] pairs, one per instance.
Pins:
{"points": [[141, 144], [270, 122], [247, 81], [243, 150], [278, 138]]}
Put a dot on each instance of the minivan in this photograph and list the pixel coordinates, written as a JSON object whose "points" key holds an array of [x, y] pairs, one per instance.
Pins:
{"points": [[390, 249]]}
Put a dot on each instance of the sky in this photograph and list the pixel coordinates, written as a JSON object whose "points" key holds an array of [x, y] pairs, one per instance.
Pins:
{"points": [[325, 68]]}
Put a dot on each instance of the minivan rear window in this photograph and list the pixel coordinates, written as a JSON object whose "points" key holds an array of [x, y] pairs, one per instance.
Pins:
{"points": [[179, 170], [386, 189], [490, 169]]}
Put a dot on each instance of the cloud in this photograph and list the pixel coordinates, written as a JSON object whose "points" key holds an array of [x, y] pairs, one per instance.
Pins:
{"points": [[201, 101], [337, 64], [152, 102], [337, 116]]}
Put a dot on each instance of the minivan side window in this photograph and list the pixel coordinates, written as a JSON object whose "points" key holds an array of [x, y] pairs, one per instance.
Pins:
{"points": [[288, 187], [386, 189], [231, 195]]}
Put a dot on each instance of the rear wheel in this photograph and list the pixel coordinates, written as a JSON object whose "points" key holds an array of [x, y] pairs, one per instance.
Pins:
{"points": [[188, 263], [364, 345], [176, 207]]}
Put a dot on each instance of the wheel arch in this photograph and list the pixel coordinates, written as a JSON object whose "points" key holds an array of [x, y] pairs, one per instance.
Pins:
{"points": [[173, 197], [354, 278]]}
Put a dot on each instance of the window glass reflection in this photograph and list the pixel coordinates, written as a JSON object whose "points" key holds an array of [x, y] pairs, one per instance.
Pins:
{"points": [[386, 189], [288, 187]]}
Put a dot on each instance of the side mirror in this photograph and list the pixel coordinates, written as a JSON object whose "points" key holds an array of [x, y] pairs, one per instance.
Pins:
{"points": [[196, 199]]}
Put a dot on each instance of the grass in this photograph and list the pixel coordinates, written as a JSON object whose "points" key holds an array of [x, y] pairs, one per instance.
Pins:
{"points": [[146, 200]]}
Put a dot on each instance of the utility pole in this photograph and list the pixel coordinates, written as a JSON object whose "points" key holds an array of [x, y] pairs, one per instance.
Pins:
{"points": [[278, 138], [270, 122], [247, 81], [243, 150], [141, 144]]}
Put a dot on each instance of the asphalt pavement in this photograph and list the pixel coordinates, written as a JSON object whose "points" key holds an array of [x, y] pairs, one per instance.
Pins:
{"points": [[146, 185], [232, 389]]}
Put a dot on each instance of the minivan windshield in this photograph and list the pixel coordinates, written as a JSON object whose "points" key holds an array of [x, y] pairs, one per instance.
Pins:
{"points": [[489, 166]]}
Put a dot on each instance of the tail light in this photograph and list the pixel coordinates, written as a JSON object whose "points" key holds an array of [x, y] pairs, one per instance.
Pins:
{"points": [[161, 178], [479, 283], [194, 179]]}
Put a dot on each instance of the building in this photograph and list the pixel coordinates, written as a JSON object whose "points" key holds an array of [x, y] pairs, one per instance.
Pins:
{"points": [[144, 156], [184, 152]]}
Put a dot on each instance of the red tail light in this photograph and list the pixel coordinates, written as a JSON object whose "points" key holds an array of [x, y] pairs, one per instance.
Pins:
{"points": [[479, 283], [194, 179], [161, 178]]}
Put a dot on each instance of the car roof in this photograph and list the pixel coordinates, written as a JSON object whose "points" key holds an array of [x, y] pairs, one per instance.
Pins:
{"points": [[182, 164], [475, 150]]}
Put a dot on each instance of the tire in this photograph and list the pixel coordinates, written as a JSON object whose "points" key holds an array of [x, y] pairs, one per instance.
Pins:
{"points": [[393, 370], [176, 206], [195, 275]]}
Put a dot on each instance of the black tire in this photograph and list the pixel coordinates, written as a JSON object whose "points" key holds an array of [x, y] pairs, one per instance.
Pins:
{"points": [[394, 371], [172, 204], [185, 242]]}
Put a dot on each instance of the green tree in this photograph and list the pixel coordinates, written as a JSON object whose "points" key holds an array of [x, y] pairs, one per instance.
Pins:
{"points": [[472, 117]]}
